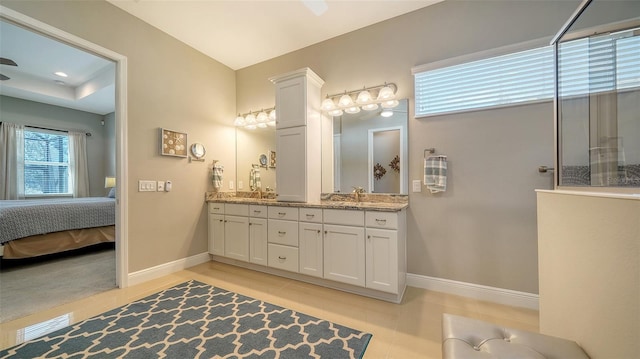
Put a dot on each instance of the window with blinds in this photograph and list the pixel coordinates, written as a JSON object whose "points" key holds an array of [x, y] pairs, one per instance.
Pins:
{"points": [[46, 163], [610, 62]]}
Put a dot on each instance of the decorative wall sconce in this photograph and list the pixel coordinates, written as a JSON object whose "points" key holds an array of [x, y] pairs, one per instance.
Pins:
{"points": [[257, 119], [385, 98]]}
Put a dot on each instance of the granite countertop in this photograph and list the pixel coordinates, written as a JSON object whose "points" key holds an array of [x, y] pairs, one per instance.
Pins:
{"points": [[362, 205]]}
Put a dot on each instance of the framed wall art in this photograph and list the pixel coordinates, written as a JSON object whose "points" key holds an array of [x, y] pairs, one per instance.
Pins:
{"points": [[272, 159], [173, 143]]}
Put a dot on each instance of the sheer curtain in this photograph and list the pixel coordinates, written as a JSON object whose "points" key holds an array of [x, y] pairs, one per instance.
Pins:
{"points": [[79, 164], [11, 161]]}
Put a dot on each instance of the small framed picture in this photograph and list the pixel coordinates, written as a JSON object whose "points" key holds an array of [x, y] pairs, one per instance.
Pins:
{"points": [[272, 159], [173, 143]]}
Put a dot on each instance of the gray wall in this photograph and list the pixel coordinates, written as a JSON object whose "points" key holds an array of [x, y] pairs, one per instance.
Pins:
{"points": [[483, 229], [42, 115]]}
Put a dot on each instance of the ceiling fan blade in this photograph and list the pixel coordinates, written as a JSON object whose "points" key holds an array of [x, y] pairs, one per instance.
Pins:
{"points": [[5, 61], [3, 77]]}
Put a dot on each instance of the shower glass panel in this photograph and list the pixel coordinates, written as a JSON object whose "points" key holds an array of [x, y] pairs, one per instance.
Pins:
{"points": [[598, 97]]}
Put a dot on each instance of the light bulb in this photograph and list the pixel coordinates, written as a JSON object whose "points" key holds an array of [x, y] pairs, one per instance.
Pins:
{"points": [[250, 127], [364, 97], [352, 109], [336, 112], [272, 115], [328, 105], [370, 107], [389, 104], [271, 123], [345, 101], [387, 112], [239, 121], [262, 125], [386, 93], [262, 117], [250, 119]]}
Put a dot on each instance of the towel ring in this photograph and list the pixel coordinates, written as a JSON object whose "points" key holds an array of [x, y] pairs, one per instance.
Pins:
{"points": [[431, 151]]}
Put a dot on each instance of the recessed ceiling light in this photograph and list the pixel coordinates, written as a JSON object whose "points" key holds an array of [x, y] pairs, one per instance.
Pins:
{"points": [[61, 83], [61, 74]]}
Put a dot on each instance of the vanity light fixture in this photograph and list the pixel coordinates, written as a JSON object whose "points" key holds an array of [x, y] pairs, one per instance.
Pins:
{"points": [[387, 112], [385, 97], [256, 119]]}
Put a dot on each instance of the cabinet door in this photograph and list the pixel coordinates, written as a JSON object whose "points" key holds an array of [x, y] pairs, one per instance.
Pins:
{"points": [[310, 249], [236, 237], [344, 254], [258, 241], [382, 260], [291, 176], [291, 103], [216, 234]]}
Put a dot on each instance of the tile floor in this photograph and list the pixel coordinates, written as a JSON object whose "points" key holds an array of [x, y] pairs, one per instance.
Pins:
{"points": [[407, 330]]}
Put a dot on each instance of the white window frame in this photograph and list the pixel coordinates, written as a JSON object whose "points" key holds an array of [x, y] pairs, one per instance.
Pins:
{"points": [[46, 163]]}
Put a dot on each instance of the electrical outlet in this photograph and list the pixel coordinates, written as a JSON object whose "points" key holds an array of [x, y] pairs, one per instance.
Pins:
{"points": [[230, 184], [240, 185], [417, 186], [146, 186], [160, 186]]}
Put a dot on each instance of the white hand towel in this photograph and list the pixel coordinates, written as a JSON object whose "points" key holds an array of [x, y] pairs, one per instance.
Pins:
{"points": [[435, 173], [217, 176]]}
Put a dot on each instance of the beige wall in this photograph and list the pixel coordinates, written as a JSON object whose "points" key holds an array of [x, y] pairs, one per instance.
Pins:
{"points": [[483, 229], [170, 85], [590, 272]]}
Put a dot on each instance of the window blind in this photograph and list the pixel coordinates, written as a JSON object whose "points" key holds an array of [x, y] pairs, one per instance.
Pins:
{"points": [[46, 163], [589, 65], [502, 80]]}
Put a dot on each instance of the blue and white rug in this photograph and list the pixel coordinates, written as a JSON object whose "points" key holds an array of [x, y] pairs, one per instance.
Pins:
{"points": [[197, 320]]}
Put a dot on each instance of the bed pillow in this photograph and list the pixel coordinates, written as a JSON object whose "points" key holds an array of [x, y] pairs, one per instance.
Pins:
{"points": [[112, 193]]}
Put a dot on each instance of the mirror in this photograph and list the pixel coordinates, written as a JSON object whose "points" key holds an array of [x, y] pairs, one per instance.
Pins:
{"points": [[370, 151], [197, 150], [253, 151]]}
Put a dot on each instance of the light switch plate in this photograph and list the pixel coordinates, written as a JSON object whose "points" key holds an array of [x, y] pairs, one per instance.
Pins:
{"points": [[160, 186], [417, 186], [146, 186], [230, 184]]}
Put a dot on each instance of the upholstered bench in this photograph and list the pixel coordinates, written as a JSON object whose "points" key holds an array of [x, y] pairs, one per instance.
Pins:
{"points": [[466, 338]]}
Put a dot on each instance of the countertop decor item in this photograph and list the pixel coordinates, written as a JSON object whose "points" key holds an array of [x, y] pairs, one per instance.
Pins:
{"points": [[173, 143]]}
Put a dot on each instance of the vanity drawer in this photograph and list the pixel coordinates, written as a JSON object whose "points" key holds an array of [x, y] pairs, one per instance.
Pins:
{"points": [[216, 208], [283, 232], [345, 217], [233, 209], [283, 257], [311, 215], [387, 220], [288, 213], [258, 211]]}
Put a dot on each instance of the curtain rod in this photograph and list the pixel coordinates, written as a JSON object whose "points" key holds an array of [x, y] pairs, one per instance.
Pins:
{"points": [[56, 129]]}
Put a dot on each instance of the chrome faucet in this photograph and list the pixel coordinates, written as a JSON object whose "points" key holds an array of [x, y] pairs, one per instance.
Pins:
{"points": [[357, 190]]}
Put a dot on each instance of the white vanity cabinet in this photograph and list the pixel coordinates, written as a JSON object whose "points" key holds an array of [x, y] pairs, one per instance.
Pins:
{"points": [[258, 234], [361, 251], [311, 242], [216, 228], [298, 142], [344, 246], [283, 238]]}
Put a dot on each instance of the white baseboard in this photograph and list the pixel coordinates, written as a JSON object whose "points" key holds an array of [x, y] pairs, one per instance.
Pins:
{"points": [[167, 268], [475, 291]]}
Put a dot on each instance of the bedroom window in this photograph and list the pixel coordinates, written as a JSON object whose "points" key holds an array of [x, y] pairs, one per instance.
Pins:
{"points": [[46, 163]]}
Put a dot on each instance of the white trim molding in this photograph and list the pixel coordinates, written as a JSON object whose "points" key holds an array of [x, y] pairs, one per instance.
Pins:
{"points": [[475, 291], [158, 271]]}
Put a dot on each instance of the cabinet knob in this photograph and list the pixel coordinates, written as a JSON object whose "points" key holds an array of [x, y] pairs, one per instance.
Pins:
{"points": [[369, 237], [319, 231], [220, 220]]}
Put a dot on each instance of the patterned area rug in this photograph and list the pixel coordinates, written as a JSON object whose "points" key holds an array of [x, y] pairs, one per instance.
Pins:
{"points": [[196, 320]]}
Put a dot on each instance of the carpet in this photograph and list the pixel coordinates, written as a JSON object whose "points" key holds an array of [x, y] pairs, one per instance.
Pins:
{"points": [[197, 320], [35, 285]]}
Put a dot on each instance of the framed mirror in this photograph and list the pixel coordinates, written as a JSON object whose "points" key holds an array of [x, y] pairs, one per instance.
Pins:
{"points": [[371, 151], [252, 151], [198, 151]]}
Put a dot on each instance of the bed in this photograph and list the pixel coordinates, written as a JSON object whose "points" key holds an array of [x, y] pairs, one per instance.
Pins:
{"points": [[31, 228]]}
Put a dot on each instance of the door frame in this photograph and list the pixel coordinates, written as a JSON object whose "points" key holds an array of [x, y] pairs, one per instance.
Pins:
{"points": [[122, 270]]}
